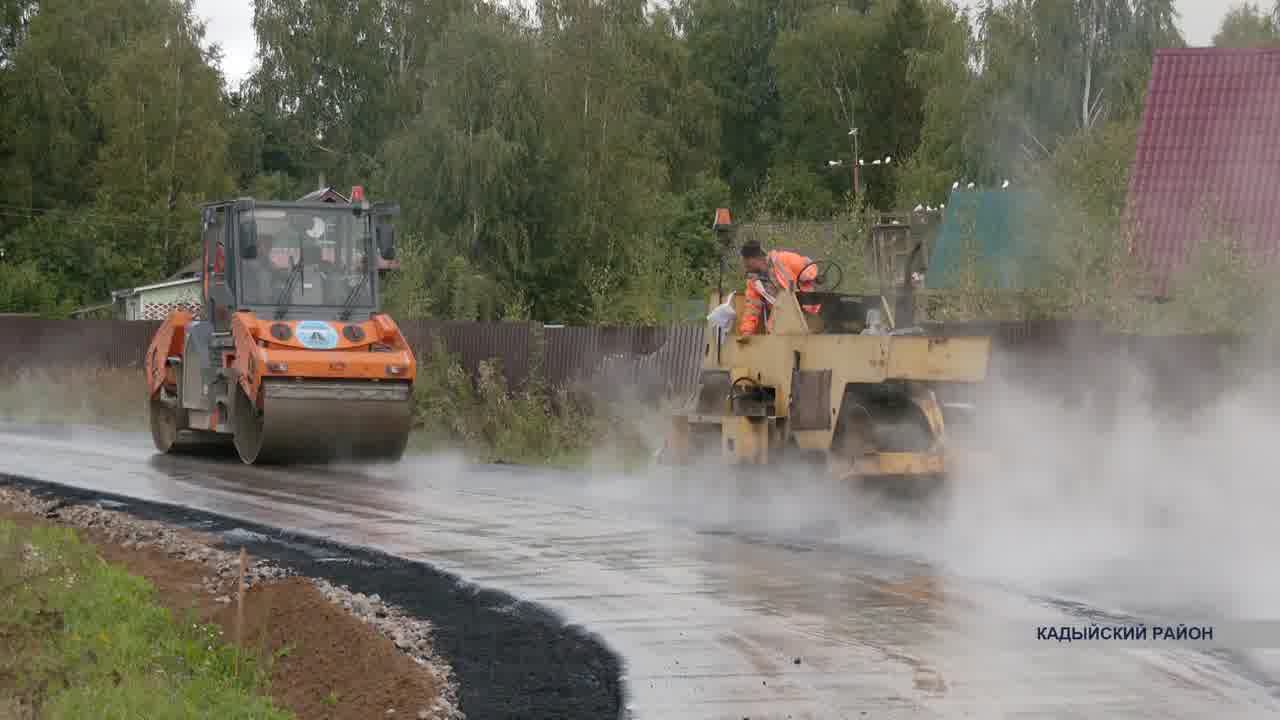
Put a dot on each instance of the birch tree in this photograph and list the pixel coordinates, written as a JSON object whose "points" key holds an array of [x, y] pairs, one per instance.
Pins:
{"points": [[1247, 26], [1050, 69]]}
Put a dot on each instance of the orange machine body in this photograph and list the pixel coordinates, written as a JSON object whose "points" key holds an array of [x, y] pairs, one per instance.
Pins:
{"points": [[286, 379], [378, 352], [166, 343]]}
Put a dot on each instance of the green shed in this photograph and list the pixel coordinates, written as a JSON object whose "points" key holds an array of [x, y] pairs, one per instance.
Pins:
{"points": [[994, 228]]}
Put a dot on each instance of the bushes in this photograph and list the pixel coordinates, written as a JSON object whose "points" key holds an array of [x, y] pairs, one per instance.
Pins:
{"points": [[488, 419], [24, 288]]}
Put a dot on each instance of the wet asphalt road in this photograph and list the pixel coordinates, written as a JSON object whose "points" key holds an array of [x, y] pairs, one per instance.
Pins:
{"points": [[709, 624]]}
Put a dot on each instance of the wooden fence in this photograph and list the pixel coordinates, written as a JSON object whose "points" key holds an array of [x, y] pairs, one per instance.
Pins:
{"points": [[665, 357]]}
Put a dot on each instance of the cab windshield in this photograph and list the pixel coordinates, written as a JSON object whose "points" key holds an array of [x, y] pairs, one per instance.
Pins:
{"points": [[307, 258]]}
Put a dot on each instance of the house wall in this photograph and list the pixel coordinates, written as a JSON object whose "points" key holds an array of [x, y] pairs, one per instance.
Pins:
{"points": [[156, 304]]}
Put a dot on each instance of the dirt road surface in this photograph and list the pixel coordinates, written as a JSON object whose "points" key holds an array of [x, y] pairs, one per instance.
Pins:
{"points": [[709, 624]]}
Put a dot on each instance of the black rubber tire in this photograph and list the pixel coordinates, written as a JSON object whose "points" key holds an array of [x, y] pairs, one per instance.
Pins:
{"points": [[905, 429], [246, 425], [167, 424]]}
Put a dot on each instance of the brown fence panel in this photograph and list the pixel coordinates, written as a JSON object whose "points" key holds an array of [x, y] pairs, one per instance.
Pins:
{"points": [[35, 343], [1071, 359], [472, 343], [679, 361], [642, 361]]}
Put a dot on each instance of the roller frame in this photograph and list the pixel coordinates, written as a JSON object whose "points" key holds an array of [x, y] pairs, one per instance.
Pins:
{"points": [[795, 394], [234, 384]]}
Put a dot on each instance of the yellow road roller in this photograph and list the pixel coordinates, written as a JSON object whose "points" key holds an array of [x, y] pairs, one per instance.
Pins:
{"points": [[834, 379]]}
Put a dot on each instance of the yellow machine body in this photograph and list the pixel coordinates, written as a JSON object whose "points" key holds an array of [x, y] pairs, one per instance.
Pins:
{"points": [[817, 386]]}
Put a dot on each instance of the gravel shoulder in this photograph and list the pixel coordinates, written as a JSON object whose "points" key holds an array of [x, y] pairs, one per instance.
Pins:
{"points": [[333, 653]]}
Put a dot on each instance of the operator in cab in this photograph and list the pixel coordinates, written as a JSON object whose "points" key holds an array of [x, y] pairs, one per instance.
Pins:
{"points": [[317, 265], [261, 279], [767, 275]]}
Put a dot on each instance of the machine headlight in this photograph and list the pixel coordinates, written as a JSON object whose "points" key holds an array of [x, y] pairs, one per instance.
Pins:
{"points": [[396, 370], [276, 366]]}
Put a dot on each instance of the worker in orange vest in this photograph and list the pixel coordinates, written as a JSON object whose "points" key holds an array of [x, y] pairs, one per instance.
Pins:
{"points": [[767, 275]]}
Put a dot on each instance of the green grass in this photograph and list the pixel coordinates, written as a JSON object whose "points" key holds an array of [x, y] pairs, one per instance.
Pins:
{"points": [[81, 638]]}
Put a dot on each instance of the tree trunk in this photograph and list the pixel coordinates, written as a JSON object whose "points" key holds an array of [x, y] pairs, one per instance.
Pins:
{"points": [[169, 240], [1090, 37]]}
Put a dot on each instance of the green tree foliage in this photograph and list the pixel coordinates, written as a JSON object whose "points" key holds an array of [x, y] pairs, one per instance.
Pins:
{"points": [[556, 161], [1247, 26], [15, 16], [561, 160], [849, 69], [950, 145], [1001, 95], [730, 46], [115, 128], [1087, 267], [1218, 290], [336, 79], [1050, 69], [24, 288]]}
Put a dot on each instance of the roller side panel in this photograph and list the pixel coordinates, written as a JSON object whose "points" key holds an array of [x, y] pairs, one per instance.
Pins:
{"points": [[248, 361], [197, 366], [171, 422], [167, 342]]}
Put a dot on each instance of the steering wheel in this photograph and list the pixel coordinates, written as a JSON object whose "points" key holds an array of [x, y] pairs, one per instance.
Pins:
{"points": [[743, 387], [822, 283]]}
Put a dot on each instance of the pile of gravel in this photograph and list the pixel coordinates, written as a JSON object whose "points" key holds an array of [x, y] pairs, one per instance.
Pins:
{"points": [[131, 532], [411, 635]]}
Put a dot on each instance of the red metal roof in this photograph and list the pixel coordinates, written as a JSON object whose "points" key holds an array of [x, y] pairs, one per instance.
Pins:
{"points": [[327, 194], [1210, 138]]}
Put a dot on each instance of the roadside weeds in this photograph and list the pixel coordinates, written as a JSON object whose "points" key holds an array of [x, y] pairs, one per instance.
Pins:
{"points": [[322, 651], [85, 638]]}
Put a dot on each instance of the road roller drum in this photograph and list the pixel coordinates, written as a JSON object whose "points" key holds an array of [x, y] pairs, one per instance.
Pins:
{"points": [[314, 422]]}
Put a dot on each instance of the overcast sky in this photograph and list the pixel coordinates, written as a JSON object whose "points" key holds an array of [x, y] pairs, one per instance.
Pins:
{"points": [[231, 26]]}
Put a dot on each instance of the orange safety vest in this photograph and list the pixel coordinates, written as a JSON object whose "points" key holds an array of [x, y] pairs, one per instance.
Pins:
{"points": [[784, 267]]}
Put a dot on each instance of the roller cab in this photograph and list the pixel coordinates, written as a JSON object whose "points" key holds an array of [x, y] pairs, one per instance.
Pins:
{"points": [[292, 360], [840, 384]]}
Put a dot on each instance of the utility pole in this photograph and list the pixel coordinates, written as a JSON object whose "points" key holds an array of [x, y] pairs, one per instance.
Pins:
{"points": [[854, 143], [856, 171]]}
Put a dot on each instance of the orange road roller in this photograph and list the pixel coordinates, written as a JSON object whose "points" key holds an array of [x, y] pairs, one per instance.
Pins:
{"points": [[291, 360]]}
